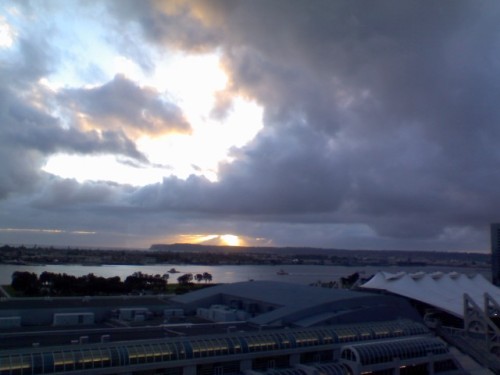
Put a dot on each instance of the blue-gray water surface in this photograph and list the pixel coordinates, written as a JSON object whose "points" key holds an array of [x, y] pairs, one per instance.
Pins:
{"points": [[302, 274]]}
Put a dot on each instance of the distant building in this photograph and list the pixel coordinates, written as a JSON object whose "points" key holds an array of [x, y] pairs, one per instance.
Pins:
{"points": [[495, 253]]}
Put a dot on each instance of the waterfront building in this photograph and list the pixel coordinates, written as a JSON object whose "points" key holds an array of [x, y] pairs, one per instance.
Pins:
{"points": [[392, 347], [270, 303], [279, 329], [463, 309]]}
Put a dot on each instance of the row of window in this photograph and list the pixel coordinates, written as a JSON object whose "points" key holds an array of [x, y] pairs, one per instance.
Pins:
{"points": [[109, 355], [380, 352]]}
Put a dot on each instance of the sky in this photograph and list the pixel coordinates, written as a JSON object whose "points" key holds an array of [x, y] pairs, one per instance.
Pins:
{"points": [[334, 124]]}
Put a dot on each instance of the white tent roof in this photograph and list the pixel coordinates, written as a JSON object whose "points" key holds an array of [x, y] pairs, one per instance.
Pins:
{"points": [[442, 290]]}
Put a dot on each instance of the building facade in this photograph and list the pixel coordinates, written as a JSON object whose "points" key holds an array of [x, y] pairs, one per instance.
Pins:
{"points": [[255, 328], [382, 348]]}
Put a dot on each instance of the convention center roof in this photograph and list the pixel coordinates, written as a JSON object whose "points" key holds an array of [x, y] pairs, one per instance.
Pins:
{"points": [[442, 290], [302, 305]]}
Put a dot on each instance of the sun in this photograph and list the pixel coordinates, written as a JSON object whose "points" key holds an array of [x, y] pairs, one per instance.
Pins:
{"points": [[230, 240], [212, 239]]}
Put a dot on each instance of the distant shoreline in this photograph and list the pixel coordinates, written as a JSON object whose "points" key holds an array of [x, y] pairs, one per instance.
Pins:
{"points": [[226, 255]]}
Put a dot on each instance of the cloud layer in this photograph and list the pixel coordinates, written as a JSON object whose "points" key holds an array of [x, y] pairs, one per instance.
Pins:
{"points": [[380, 126]]}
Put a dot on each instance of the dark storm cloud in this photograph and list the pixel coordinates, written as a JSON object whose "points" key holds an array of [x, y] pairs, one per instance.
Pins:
{"points": [[121, 104], [30, 128], [69, 195], [380, 125], [29, 133], [381, 114], [23, 154], [19, 169], [35, 60], [173, 22], [250, 185]]}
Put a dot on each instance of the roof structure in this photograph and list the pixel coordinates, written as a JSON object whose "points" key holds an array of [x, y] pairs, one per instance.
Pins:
{"points": [[379, 352], [278, 293], [442, 290], [302, 305]]}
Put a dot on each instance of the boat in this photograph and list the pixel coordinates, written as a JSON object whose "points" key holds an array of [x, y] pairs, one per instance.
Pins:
{"points": [[173, 270], [281, 272]]}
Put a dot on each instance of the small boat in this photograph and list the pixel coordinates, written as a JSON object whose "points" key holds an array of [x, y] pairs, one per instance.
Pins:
{"points": [[281, 272], [173, 270]]}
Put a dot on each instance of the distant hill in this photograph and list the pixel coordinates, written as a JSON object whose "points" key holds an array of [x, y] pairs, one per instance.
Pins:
{"points": [[193, 248]]}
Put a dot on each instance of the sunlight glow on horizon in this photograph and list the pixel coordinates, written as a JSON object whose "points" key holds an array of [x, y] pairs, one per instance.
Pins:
{"points": [[230, 240], [212, 239], [49, 231]]}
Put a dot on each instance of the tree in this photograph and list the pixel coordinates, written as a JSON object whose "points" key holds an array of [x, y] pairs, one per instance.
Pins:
{"points": [[185, 279], [134, 282], [207, 277], [47, 278], [26, 282], [198, 277], [349, 281]]}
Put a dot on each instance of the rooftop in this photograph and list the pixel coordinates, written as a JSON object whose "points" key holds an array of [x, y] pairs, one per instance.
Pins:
{"points": [[442, 290]]}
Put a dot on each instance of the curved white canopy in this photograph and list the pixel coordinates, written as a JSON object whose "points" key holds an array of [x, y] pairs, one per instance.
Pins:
{"points": [[442, 290]]}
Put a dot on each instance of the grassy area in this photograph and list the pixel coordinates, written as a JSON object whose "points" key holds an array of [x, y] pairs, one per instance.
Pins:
{"points": [[180, 289]]}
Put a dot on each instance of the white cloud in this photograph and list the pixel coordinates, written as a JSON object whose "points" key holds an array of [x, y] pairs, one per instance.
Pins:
{"points": [[7, 33]]}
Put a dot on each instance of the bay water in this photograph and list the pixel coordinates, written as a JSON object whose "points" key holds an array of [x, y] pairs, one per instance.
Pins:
{"points": [[301, 274]]}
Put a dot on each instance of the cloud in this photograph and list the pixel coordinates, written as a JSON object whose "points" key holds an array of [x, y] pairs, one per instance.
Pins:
{"points": [[380, 124], [381, 115], [176, 23], [29, 127], [122, 105], [69, 194], [29, 132]]}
